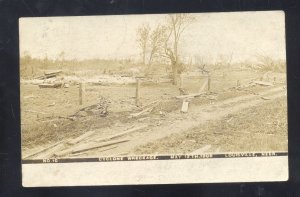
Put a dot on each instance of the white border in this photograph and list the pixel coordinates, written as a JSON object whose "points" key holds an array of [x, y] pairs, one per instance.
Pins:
{"points": [[247, 169]]}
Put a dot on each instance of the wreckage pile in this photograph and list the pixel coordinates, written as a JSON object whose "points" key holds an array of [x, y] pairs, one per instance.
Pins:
{"points": [[101, 109]]}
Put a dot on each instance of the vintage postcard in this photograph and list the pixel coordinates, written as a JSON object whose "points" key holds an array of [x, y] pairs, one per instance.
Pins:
{"points": [[153, 99]]}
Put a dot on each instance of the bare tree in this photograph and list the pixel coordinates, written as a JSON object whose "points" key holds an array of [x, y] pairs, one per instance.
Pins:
{"points": [[156, 44], [143, 32], [176, 24]]}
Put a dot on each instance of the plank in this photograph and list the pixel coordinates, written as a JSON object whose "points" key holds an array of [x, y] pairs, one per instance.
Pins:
{"points": [[190, 95], [76, 155], [201, 150], [50, 85], [149, 104], [142, 112], [53, 72], [38, 112], [122, 133], [41, 150], [51, 152], [264, 83], [104, 144], [81, 137]]}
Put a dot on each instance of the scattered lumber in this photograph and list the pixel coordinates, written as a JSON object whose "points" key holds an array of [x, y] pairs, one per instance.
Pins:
{"points": [[87, 147], [190, 95], [80, 138], [122, 133], [263, 83], [201, 150]]}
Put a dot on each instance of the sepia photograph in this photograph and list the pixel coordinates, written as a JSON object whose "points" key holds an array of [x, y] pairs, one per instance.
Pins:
{"points": [[153, 87]]}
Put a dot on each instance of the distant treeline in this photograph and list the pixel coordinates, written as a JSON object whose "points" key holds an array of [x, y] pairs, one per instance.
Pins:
{"points": [[34, 67]]}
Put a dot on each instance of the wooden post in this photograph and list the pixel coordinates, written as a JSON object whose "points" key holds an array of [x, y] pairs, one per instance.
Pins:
{"points": [[208, 83], [81, 90], [137, 92]]}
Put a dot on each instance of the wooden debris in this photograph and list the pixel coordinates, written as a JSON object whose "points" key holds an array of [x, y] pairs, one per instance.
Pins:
{"points": [[80, 138], [37, 112], [50, 85], [122, 133], [265, 98], [185, 106], [201, 150], [98, 151], [137, 92], [30, 96], [183, 91], [208, 83], [41, 150], [40, 77], [263, 83], [88, 147], [50, 73], [81, 93], [51, 152], [149, 109], [190, 95], [149, 104]]}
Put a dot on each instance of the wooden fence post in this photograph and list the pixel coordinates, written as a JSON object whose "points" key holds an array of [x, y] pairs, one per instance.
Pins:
{"points": [[208, 83], [81, 92], [137, 92]]}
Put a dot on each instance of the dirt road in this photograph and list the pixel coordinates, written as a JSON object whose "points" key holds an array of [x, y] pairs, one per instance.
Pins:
{"points": [[153, 129]]}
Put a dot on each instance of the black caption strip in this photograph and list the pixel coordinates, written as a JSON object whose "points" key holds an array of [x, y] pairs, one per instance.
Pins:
{"points": [[153, 157]]}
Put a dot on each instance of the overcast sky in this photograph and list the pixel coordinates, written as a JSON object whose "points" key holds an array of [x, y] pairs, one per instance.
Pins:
{"points": [[244, 34]]}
